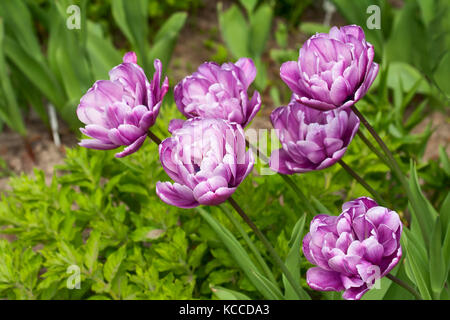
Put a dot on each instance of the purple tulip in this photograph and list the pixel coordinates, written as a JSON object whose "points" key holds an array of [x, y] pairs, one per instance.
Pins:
{"points": [[310, 139], [207, 160], [219, 92], [354, 249], [119, 112], [333, 70]]}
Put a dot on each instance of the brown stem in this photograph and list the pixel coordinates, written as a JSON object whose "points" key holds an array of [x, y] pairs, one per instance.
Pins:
{"points": [[154, 137], [404, 285], [358, 178]]}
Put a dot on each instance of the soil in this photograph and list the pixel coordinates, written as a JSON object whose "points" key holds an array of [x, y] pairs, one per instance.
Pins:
{"points": [[189, 53]]}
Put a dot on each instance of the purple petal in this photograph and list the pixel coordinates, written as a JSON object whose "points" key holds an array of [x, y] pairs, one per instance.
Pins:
{"points": [[323, 280]]}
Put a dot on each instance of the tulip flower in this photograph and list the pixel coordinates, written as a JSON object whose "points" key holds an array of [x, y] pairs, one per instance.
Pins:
{"points": [[353, 250], [333, 70], [120, 111], [219, 92], [207, 160], [310, 139]]}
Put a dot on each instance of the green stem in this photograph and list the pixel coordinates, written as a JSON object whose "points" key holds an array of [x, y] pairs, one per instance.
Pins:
{"points": [[250, 243], [404, 285], [373, 148], [267, 244], [390, 157], [287, 179], [358, 178], [395, 168]]}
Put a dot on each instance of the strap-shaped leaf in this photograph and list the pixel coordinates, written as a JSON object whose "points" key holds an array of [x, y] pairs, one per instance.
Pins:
{"points": [[235, 31], [293, 261], [416, 270], [241, 257], [438, 272]]}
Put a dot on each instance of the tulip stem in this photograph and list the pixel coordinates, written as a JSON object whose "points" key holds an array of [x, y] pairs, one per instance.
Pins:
{"points": [[287, 179], [358, 178], [390, 157], [154, 137], [372, 147], [404, 285], [393, 164], [267, 244]]}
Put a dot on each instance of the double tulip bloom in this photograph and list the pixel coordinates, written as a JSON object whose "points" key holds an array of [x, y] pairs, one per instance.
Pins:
{"points": [[120, 111], [219, 92], [354, 249], [310, 139], [207, 160], [333, 70]]}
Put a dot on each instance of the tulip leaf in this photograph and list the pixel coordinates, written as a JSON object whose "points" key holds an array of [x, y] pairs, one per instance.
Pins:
{"points": [[441, 74], [421, 207], [260, 25], [166, 38], [241, 257], [416, 267], [249, 5], [10, 113], [228, 294], [102, 54], [235, 31], [20, 25], [36, 72], [131, 17], [293, 261], [269, 286], [438, 272], [251, 245]]}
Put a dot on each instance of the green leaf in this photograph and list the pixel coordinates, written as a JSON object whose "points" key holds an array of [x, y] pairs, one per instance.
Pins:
{"points": [[444, 214], [293, 261], [166, 38], [235, 31], [409, 77], [441, 74], [249, 5], [260, 27], [443, 158], [146, 234], [240, 255], [113, 263], [92, 249], [269, 286], [10, 112], [422, 209], [311, 28], [102, 54], [418, 272], [438, 272], [228, 294]]}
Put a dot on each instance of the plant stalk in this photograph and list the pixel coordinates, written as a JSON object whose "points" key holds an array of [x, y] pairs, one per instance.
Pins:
{"points": [[358, 178], [404, 285], [267, 244], [154, 137], [390, 157], [287, 179]]}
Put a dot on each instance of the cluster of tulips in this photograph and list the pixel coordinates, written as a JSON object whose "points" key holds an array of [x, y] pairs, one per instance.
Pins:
{"points": [[207, 155]]}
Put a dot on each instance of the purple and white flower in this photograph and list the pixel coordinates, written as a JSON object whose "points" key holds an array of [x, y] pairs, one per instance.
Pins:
{"points": [[206, 158], [219, 92], [310, 139], [120, 111], [353, 250], [334, 70]]}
